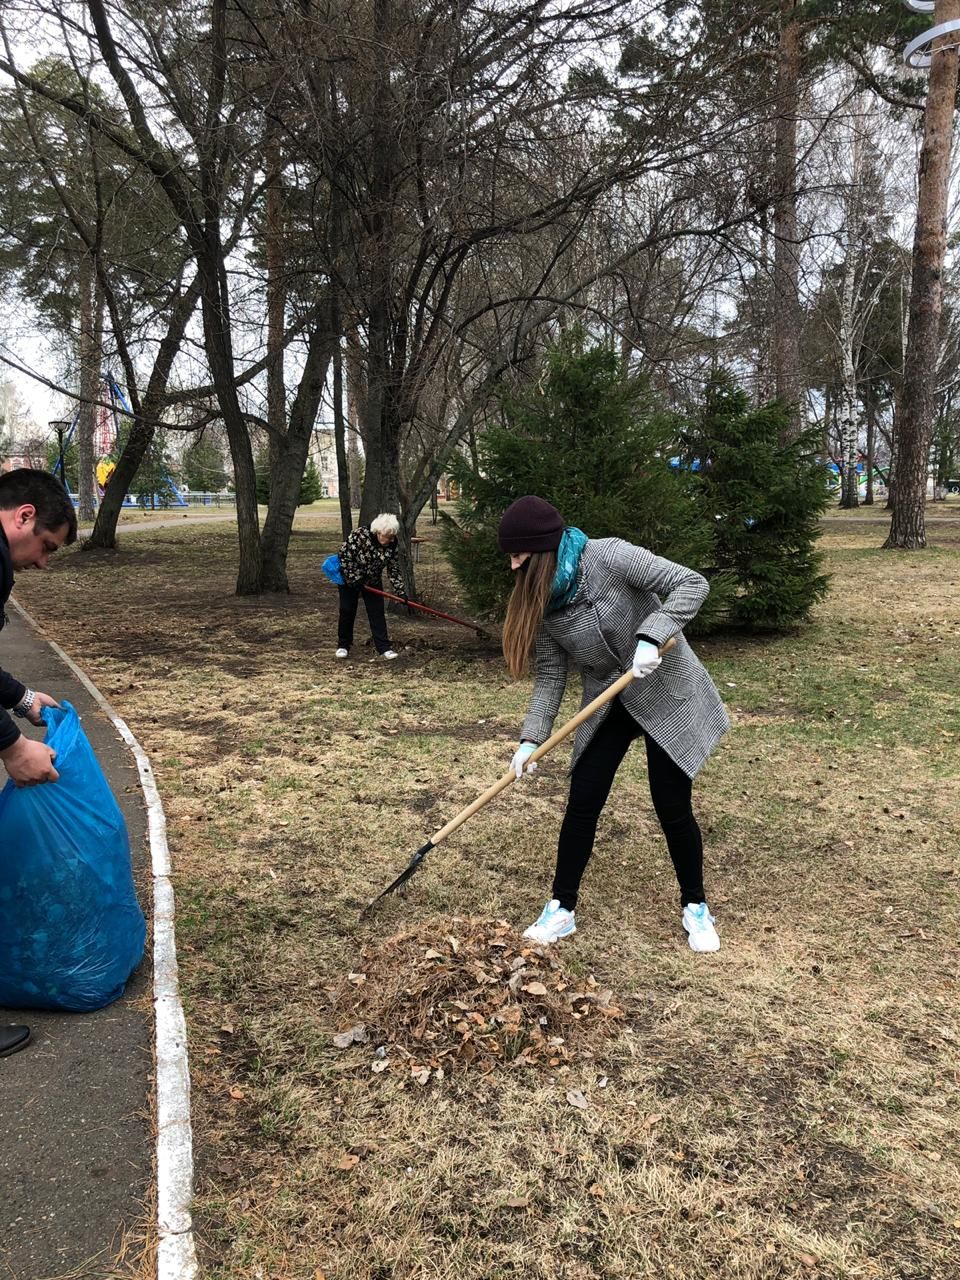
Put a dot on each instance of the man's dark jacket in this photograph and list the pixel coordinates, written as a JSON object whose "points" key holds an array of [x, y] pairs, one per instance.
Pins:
{"points": [[11, 691]]}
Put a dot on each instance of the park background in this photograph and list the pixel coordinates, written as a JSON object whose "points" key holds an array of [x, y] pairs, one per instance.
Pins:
{"points": [[294, 237]]}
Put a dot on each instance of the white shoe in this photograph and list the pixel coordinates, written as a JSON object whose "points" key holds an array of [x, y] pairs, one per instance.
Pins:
{"points": [[699, 923], [389, 654], [342, 653], [555, 922]]}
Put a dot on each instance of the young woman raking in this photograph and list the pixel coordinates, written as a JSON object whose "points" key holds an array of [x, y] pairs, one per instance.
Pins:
{"points": [[603, 606]]}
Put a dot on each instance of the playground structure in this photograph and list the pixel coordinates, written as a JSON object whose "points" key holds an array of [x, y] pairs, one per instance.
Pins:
{"points": [[112, 404], [835, 476]]}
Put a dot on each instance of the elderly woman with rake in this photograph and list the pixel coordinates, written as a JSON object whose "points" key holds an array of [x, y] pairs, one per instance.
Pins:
{"points": [[615, 612], [363, 558]]}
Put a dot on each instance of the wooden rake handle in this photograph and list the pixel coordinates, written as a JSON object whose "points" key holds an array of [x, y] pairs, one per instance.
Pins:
{"points": [[557, 736]]}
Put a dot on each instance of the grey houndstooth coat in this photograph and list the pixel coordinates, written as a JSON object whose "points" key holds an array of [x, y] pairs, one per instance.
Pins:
{"points": [[624, 592]]}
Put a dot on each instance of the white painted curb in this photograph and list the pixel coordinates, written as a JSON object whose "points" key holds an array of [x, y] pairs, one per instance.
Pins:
{"points": [[176, 1254]]}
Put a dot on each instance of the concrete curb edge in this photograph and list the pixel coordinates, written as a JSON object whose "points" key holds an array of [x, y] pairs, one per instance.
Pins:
{"points": [[176, 1253]]}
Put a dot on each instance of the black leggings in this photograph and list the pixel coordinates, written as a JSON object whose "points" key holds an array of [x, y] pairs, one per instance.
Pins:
{"points": [[670, 790], [349, 599]]}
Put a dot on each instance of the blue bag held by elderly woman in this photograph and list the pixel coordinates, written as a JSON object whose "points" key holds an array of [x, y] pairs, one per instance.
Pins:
{"points": [[331, 567], [71, 929]]}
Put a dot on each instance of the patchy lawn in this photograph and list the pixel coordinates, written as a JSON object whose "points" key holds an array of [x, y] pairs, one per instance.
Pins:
{"points": [[787, 1108]]}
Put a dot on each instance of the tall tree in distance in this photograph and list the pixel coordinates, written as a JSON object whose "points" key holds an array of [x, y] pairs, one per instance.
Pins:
{"points": [[787, 314], [915, 415]]}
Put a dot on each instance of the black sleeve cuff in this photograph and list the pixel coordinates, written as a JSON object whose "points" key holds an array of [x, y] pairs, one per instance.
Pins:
{"points": [[11, 690], [9, 732]]}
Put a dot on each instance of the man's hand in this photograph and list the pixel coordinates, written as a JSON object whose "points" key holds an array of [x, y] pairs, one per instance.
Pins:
{"points": [[29, 762], [40, 700]]}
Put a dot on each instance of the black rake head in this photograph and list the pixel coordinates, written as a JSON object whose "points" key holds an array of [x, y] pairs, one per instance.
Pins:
{"points": [[401, 879]]}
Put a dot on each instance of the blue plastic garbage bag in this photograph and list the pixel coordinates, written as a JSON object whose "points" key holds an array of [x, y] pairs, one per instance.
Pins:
{"points": [[71, 929], [331, 567]]}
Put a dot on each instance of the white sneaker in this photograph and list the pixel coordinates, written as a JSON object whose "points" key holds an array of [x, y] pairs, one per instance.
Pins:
{"points": [[342, 653], [389, 654], [699, 923], [555, 922]]}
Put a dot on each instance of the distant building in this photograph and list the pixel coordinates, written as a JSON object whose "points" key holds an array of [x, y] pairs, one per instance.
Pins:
{"points": [[323, 455]]}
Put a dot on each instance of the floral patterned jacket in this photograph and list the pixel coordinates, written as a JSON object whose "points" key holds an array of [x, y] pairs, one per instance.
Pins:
{"points": [[363, 560]]}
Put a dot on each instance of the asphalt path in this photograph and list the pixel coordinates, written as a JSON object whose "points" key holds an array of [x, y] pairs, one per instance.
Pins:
{"points": [[76, 1130]]}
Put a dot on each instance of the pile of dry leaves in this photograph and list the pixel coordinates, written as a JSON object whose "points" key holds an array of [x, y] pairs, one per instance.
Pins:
{"points": [[465, 994]]}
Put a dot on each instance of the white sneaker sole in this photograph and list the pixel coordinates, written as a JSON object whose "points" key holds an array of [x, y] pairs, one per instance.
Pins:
{"points": [[547, 940], [702, 944]]}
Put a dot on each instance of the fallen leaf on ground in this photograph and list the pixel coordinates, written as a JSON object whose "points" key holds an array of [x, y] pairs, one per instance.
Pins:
{"points": [[354, 1035]]}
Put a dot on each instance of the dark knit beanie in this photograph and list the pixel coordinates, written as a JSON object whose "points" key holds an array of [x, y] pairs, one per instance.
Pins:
{"points": [[530, 524]]}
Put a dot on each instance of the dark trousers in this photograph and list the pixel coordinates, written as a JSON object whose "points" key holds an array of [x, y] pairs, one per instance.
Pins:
{"points": [[670, 790], [349, 599]]}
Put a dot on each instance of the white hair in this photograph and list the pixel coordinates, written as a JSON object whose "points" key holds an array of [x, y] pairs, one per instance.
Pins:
{"points": [[386, 524]]}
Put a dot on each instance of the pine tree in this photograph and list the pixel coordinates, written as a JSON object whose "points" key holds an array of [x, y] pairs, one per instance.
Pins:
{"points": [[590, 440], [767, 499]]}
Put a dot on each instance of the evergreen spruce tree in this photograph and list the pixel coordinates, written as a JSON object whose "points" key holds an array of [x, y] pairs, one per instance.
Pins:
{"points": [[311, 487], [767, 499], [71, 463], [203, 467], [590, 440], [153, 483]]}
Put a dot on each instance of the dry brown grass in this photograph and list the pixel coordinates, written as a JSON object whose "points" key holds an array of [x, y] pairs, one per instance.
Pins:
{"points": [[786, 1108]]}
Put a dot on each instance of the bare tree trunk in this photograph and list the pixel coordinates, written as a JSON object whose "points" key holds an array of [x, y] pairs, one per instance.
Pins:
{"points": [[356, 397], [786, 264], [381, 417], [340, 439], [892, 469], [90, 374], [871, 412], [849, 420], [286, 477], [276, 292], [765, 382], [282, 502], [907, 525], [143, 429]]}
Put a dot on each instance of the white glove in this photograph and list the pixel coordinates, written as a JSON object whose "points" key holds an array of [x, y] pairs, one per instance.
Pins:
{"points": [[646, 659], [521, 756]]}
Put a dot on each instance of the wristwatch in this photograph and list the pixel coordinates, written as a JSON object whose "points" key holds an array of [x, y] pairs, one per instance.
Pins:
{"points": [[22, 709]]}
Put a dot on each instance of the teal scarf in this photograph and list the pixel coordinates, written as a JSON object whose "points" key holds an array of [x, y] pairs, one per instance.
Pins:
{"points": [[568, 561]]}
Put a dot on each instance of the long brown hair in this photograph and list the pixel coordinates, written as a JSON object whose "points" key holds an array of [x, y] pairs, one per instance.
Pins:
{"points": [[528, 604]]}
